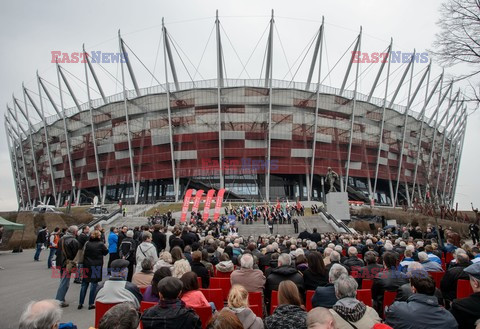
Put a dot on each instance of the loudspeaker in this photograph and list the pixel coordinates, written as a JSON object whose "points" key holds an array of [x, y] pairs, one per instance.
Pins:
{"points": [[372, 226]]}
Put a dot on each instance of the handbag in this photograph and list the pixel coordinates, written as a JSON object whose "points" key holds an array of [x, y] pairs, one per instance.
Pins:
{"points": [[81, 254], [71, 265]]}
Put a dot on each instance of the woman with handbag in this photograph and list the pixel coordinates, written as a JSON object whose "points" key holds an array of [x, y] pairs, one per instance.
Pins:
{"points": [[93, 252]]}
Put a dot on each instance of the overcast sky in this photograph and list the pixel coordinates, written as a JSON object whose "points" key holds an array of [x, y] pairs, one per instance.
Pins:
{"points": [[31, 30]]}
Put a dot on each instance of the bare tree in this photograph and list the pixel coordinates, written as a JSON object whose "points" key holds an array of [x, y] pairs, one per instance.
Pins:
{"points": [[459, 38]]}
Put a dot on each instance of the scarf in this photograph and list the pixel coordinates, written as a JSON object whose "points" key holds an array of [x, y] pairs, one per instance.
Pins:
{"points": [[350, 309]]}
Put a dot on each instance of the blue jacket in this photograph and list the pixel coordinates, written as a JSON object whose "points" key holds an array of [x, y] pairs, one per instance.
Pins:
{"points": [[112, 243], [427, 314], [324, 296]]}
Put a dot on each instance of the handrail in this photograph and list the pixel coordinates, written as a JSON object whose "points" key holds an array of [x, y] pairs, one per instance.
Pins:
{"points": [[99, 219]]}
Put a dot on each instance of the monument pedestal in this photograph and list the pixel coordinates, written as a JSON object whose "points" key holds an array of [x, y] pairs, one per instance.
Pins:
{"points": [[337, 205]]}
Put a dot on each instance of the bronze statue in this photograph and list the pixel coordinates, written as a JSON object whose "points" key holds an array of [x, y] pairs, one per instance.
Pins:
{"points": [[331, 177]]}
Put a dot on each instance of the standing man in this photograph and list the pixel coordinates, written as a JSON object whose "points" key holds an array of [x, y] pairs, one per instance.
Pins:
{"points": [[82, 239], [67, 249], [295, 224], [41, 240], [473, 229], [112, 247], [270, 225], [332, 176], [54, 238]]}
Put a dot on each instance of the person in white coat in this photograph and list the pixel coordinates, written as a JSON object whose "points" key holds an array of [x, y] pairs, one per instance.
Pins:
{"points": [[146, 249]]}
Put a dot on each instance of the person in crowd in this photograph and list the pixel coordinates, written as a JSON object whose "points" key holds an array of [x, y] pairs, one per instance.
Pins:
{"points": [[170, 312], [325, 296], [116, 289], [348, 311], [44, 314], [145, 250], [159, 239], [289, 312], [122, 234], [372, 268], [180, 268], [225, 265], [421, 310], [335, 258], [352, 261], [164, 260], [405, 290], [225, 319], [126, 250], [187, 253], [67, 249], [191, 295], [320, 318], [407, 259], [175, 240], [301, 263], [388, 280], [40, 242], [206, 262], [431, 255], [428, 264], [238, 304], [151, 292], [82, 238], [316, 274], [283, 272], [53, 242], [467, 310], [123, 315], [250, 278], [143, 278], [94, 251], [448, 285], [200, 269], [112, 246]]}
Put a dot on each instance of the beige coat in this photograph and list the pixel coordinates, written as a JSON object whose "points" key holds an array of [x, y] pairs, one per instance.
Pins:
{"points": [[369, 319]]}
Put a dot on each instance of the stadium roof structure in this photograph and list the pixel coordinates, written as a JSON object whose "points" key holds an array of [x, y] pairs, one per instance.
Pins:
{"points": [[417, 156]]}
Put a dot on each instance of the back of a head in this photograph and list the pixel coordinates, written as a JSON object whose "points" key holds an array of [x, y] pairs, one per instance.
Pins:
{"points": [[238, 297], [320, 318], [370, 257], [146, 235], [170, 288], [422, 256], [196, 256], [284, 260], [189, 281], [336, 271], [423, 284], [121, 316], [147, 264], [246, 261], [462, 258], [225, 319], [335, 256], [352, 251], [346, 286], [389, 260], [315, 262], [43, 314], [288, 293]]}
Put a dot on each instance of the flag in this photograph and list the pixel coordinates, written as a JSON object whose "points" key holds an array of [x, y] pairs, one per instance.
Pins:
{"points": [[186, 204], [218, 204], [196, 202], [208, 201]]}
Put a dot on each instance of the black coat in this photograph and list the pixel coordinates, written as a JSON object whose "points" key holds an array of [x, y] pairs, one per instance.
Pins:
{"points": [[324, 296], [93, 260], [159, 240], [71, 248], [315, 237], [467, 310], [170, 315], [354, 263], [304, 235], [314, 280], [448, 285], [201, 272], [280, 274], [176, 242]]}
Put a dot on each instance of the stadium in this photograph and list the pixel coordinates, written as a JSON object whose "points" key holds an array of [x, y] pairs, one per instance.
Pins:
{"points": [[260, 139]]}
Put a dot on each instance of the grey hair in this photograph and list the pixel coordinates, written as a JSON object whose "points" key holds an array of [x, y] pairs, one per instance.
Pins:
{"points": [[352, 251], [422, 256], [346, 286], [335, 256], [121, 316], [246, 261], [284, 259], [72, 229], [41, 318], [129, 234], [336, 271]]}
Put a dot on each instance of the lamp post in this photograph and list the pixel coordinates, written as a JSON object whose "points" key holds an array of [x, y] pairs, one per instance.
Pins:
{"points": [[70, 198], [323, 189]]}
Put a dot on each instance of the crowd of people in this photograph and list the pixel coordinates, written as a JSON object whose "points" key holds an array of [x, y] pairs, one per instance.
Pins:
{"points": [[169, 265]]}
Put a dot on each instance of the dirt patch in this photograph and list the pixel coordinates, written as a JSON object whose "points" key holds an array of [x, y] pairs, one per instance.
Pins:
{"points": [[34, 221]]}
